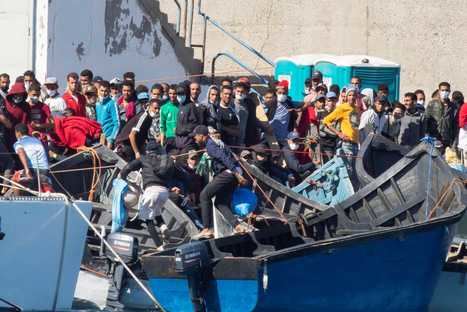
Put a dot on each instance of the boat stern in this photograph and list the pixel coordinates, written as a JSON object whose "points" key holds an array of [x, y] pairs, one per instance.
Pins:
{"points": [[231, 284]]}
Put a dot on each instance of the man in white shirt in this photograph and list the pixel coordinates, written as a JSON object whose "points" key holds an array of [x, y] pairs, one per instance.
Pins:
{"points": [[53, 99], [31, 152]]}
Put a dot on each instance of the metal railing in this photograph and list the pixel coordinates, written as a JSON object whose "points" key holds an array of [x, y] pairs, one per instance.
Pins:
{"points": [[229, 34], [179, 17], [236, 61]]}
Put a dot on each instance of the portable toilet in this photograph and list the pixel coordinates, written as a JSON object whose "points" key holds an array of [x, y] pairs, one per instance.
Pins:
{"points": [[372, 72], [339, 70], [297, 69]]}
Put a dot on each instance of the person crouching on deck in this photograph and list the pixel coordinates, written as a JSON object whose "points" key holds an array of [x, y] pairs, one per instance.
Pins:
{"points": [[158, 169], [33, 158]]}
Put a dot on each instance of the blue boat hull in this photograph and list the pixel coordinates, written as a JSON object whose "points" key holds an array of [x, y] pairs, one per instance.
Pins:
{"points": [[393, 270]]}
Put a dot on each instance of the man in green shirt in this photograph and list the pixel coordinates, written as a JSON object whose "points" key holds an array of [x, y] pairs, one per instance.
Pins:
{"points": [[169, 113]]}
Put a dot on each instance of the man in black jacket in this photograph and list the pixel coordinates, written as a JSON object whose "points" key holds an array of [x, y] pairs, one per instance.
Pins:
{"points": [[191, 114], [227, 120], [157, 170]]}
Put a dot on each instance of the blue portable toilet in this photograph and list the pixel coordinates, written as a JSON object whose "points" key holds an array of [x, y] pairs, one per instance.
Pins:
{"points": [[297, 69], [372, 71]]}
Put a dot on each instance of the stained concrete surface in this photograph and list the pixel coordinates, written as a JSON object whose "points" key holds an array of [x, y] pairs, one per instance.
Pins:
{"points": [[427, 37]]}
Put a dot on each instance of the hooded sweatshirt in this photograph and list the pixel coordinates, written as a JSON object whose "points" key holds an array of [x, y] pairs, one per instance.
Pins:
{"points": [[18, 112]]}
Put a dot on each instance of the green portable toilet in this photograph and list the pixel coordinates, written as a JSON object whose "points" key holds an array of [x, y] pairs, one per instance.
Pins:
{"points": [[297, 69], [372, 72]]}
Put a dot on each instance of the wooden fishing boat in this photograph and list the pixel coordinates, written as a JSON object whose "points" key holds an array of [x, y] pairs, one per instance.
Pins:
{"points": [[382, 249], [278, 203], [78, 177], [376, 155]]}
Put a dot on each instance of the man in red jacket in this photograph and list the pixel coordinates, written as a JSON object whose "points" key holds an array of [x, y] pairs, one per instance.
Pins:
{"points": [[74, 100], [17, 110]]}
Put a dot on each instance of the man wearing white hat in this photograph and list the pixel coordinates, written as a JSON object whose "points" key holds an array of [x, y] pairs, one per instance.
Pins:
{"points": [[53, 99]]}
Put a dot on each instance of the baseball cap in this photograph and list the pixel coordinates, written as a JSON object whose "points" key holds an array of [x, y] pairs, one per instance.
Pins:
{"points": [[143, 96], [316, 74], [331, 95], [293, 135], [201, 129], [97, 79], [90, 90], [50, 80], [320, 97], [115, 81]]}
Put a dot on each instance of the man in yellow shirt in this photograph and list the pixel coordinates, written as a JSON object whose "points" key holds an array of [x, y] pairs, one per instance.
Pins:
{"points": [[348, 117]]}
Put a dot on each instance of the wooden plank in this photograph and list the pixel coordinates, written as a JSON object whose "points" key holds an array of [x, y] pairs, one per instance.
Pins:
{"points": [[397, 190], [398, 211], [367, 207], [387, 204]]}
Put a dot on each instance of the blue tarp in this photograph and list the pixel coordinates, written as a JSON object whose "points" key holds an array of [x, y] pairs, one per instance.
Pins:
{"points": [[119, 213]]}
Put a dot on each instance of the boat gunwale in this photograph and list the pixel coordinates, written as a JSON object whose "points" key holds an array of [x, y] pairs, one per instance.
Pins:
{"points": [[448, 218], [332, 243], [309, 203], [363, 175]]}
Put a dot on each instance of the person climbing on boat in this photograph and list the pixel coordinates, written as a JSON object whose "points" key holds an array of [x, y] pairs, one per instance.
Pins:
{"points": [[227, 173], [158, 169], [33, 158]]}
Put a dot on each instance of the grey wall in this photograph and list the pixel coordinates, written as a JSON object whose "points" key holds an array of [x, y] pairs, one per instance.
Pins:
{"points": [[427, 37], [109, 37]]}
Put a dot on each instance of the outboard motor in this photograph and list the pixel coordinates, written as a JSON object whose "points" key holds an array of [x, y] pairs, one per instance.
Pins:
{"points": [[126, 247], [193, 260]]}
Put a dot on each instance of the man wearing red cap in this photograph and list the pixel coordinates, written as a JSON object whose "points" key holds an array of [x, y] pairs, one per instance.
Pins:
{"points": [[281, 120]]}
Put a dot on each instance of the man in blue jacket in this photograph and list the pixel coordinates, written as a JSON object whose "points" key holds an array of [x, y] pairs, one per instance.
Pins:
{"points": [[107, 114], [227, 173]]}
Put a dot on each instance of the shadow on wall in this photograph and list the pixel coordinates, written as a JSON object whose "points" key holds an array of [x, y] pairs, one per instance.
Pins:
{"points": [[118, 32]]}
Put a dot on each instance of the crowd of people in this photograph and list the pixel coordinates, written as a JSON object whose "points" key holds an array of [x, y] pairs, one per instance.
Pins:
{"points": [[165, 129]]}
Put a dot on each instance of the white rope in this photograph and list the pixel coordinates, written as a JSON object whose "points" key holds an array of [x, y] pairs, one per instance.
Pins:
{"points": [[83, 216]]}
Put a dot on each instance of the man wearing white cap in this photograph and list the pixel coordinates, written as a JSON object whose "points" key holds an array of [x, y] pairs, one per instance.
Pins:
{"points": [[53, 99]]}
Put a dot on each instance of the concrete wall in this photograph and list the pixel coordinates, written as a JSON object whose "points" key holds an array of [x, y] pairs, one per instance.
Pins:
{"points": [[108, 37], [427, 37], [17, 24]]}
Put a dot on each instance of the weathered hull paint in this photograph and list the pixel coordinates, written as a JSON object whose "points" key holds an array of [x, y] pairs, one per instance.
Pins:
{"points": [[395, 271]]}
